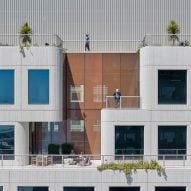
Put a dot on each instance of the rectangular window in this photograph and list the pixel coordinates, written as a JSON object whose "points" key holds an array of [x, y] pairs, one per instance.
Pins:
{"points": [[172, 87], [77, 93], [124, 189], [78, 188], [6, 86], [7, 141], [32, 188], [170, 188], [38, 87], [171, 142], [1, 188], [129, 140], [77, 125]]}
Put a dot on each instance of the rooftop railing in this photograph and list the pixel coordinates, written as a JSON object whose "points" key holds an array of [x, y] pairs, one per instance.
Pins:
{"points": [[167, 40], [129, 102], [91, 161], [36, 40], [100, 46]]}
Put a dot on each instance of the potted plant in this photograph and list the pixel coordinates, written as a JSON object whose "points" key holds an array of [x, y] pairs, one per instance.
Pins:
{"points": [[25, 32], [67, 148], [54, 149], [173, 29]]}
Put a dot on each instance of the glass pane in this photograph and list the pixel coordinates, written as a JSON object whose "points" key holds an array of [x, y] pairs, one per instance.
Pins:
{"points": [[78, 188], [6, 139], [30, 188], [172, 140], [124, 189], [1, 188], [38, 86], [170, 188], [172, 87], [6, 86], [129, 140]]}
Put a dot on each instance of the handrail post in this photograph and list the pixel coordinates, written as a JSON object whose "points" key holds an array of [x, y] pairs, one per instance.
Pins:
{"points": [[106, 101], [2, 160], [63, 159], [184, 158], [120, 102], [163, 158]]}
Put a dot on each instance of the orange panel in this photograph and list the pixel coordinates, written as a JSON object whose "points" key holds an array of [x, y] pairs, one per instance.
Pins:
{"points": [[93, 81]]}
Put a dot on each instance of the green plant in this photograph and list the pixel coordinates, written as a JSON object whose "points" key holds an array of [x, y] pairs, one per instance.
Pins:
{"points": [[53, 149], [173, 29], [127, 168], [25, 32], [67, 148]]}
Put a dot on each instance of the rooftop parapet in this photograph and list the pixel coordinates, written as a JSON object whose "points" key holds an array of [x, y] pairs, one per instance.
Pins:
{"points": [[167, 40], [102, 46], [36, 40]]}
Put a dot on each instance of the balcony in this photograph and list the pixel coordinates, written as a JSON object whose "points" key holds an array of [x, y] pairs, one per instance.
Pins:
{"points": [[125, 102], [88, 161]]}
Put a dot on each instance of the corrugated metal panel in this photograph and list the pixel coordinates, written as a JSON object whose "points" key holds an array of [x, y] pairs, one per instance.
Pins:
{"points": [[109, 20]]}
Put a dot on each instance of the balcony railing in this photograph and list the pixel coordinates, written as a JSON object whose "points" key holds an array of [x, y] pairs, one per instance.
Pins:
{"points": [[36, 40], [129, 151], [164, 40], [85, 161], [124, 102], [171, 154], [100, 46]]}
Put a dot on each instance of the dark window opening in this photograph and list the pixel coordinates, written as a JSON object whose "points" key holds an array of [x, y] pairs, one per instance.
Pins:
{"points": [[172, 87]]}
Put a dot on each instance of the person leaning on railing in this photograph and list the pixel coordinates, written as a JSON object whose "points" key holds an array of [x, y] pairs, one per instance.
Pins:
{"points": [[117, 97]]}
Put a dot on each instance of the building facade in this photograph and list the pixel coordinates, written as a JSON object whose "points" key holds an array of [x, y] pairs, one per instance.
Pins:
{"points": [[55, 94]]}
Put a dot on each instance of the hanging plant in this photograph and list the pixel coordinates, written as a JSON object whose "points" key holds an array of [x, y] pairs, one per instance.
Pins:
{"points": [[127, 168]]}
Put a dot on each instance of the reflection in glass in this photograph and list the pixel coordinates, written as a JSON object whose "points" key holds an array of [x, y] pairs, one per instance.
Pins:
{"points": [[168, 188], [44, 133], [38, 87], [172, 140], [6, 139], [124, 189], [172, 87], [129, 140], [6, 86], [32, 188], [78, 188]]}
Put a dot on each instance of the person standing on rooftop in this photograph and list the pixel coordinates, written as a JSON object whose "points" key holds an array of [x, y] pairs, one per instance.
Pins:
{"points": [[87, 43]]}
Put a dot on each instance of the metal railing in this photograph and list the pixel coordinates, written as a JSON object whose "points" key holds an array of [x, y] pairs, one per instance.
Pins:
{"points": [[129, 151], [171, 154], [100, 46], [123, 102], [36, 40], [166, 40], [92, 161]]}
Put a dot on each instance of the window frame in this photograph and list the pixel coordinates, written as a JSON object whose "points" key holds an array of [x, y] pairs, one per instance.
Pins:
{"points": [[13, 102], [186, 88], [77, 89], [48, 98]]}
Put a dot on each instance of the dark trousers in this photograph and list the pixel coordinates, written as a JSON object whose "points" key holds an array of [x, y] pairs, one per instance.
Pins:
{"points": [[87, 46]]}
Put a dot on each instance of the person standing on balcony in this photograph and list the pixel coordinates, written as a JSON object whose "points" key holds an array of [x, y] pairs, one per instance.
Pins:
{"points": [[87, 43], [117, 97]]}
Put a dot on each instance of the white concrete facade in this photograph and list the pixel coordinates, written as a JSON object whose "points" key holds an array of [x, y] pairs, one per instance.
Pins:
{"points": [[56, 179], [35, 58], [151, 114]]}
